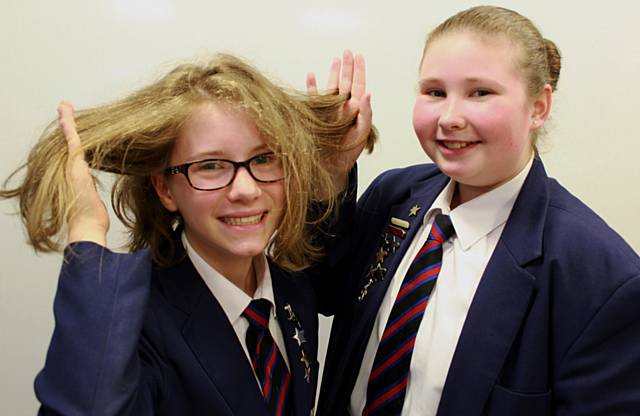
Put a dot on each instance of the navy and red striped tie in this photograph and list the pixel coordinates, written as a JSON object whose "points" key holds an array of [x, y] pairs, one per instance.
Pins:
{"points": [[389, 376], [269, 366]]}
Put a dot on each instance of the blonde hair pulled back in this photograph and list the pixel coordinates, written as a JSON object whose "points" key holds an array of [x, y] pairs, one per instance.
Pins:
{"points": [[538, 60]]}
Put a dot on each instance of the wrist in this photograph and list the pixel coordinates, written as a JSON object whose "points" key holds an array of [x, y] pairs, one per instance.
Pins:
{"points": [[87, 231]]}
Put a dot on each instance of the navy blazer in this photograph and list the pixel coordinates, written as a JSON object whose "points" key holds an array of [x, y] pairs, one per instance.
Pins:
{"points": [[134, 339], [553, 329]]}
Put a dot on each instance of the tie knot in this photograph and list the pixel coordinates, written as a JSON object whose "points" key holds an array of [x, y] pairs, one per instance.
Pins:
{"points": [[257, 313], [442, 228]]}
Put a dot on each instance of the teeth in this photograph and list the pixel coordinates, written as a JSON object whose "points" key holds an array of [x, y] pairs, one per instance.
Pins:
{"points": [[254, 219], [456, 145]]}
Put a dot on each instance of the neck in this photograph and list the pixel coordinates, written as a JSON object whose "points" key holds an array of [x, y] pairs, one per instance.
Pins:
{"points": [[241, 273], [464, 193], [243, 276], [238, 270]]}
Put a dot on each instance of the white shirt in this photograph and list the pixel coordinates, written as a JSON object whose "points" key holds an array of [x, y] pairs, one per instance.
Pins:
{"points": [[478, 224], [234, 301]]}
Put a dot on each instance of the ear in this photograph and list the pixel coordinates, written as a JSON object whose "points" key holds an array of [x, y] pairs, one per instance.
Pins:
{"points": [[164, 193], [541, 107]]}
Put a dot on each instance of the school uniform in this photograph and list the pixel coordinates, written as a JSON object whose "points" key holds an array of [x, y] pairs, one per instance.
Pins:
{"points": [[132, 338], [551, 329]]}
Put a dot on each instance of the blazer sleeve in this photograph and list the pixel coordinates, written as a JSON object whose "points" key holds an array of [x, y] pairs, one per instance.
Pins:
{"points": [[339, 238], [96, 362], [600, 373]]}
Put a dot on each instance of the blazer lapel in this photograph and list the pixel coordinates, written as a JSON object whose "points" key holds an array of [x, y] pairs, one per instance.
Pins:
{"points": [[367, 309], [298, 323], [213, 341], [500, 304]]}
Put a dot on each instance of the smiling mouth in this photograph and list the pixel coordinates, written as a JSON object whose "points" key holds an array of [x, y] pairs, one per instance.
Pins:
{"points": [[250, 220], [456, 145]]}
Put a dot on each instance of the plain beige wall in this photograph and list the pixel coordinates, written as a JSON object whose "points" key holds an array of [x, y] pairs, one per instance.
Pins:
{"points": [[94, 51]]}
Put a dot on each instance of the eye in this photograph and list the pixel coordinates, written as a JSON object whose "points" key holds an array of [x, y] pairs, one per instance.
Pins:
{"points": [[480, 92], [436, 93], [264, 159], [209, 165]]}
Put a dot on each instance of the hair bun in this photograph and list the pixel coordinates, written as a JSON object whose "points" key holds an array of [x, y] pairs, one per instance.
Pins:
{"points": [[554, 62]]}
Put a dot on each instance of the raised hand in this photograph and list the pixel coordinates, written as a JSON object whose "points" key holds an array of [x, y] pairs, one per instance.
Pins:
{"points": [[348, 76], [89, 218]]}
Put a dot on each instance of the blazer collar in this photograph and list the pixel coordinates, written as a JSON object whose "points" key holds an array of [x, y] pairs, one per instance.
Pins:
{"points": [[213, 341], [298, 322], [524, 229]]}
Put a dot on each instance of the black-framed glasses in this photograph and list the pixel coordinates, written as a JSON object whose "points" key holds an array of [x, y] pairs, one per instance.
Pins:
{"points": [[212, 174]]}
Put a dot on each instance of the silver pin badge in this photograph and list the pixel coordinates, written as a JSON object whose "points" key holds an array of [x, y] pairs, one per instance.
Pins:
{"points": [[400, 223], [304, 359], [299, 337]]}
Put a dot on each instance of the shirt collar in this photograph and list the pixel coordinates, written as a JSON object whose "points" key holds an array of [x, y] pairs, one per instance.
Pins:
{"points": [[475, 219], [230, 297]]}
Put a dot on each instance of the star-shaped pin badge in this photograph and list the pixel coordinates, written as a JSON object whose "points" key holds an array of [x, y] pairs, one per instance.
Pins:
{"points": [[381, 254], [377, 272], [414, 210], [291, 315], [304, 359], [299, 337]]}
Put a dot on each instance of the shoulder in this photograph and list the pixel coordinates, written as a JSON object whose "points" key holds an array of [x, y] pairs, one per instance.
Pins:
{"points": [[396, 184], [584, 263], [407, 176], [576, 231]]}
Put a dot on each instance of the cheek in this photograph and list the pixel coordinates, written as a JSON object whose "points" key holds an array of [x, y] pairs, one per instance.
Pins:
{"points": [[277, 195], [425, 119], [511, 125], [197, 206], [495, 123]]}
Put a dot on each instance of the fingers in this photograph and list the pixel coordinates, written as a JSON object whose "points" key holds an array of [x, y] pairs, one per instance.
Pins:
{"points": [[89, 220], [68, 126], [359, 84], [312, 85], [334, 76], [364, 122], [346, 78], [365, 113]]}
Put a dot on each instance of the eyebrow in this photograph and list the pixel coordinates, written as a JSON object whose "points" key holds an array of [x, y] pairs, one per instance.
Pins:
{"points": [[217, 154], [469, 80]]}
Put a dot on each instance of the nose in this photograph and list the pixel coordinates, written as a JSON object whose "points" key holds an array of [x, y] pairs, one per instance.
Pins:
{"points": [[452, 117], [244, 187]]}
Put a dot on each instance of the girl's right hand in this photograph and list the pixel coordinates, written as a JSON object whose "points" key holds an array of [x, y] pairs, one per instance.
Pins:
{"points": [[348, 76], [89, 218]]}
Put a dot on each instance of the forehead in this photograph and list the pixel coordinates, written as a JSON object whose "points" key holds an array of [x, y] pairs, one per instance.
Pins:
{"points": [[470, 54], [217, 129]]}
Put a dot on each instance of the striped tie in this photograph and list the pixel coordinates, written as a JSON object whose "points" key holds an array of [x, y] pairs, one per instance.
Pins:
{"points": [[389, 376], [269, 366]]}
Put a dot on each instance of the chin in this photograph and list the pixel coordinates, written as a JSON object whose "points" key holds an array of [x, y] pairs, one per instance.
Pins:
{"points": [[249, 249], [457, 173]]}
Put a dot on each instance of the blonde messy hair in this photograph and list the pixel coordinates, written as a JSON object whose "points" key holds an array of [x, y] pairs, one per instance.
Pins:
{"points": [[133, 138]]}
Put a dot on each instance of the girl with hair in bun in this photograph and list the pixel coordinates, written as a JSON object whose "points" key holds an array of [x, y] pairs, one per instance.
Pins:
{"points": [[478, 285], [221, 179]]}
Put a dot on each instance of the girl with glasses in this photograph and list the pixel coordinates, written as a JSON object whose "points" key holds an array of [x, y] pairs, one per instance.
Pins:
{"points": [[221, 177]]}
